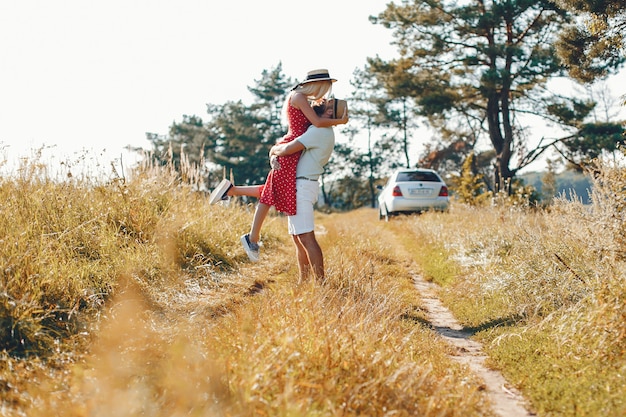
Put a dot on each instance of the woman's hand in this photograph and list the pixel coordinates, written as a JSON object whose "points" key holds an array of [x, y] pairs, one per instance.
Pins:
{"points": [[274, 162], [344, 117]]}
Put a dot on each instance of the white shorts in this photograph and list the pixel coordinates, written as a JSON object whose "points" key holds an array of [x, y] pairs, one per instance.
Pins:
{"points": [[306, 197]]}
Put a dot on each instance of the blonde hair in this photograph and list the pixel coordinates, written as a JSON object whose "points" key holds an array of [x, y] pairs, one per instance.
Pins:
{"points": [[314, 92]]}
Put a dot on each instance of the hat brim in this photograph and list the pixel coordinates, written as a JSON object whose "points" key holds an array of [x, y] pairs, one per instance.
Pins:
{"points": [[318, 79]]}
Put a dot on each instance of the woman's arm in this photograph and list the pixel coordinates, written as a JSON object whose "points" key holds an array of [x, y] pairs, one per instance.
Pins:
{"points": [[300, 101], [285, 149]]}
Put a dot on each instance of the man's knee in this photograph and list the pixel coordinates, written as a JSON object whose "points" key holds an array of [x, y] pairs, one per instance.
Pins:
{"points": [[306, 238]]}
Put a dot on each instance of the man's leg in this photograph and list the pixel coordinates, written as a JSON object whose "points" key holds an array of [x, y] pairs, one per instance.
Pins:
{"points": [[301, 227], [312, 255], [304, 267]]}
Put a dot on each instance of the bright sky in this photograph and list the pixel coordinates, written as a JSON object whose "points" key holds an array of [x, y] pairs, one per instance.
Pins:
{"points": [[96, 75], [86, 75]]}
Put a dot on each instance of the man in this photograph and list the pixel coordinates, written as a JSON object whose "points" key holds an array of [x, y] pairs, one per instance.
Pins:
{"points": [[317, 144]]}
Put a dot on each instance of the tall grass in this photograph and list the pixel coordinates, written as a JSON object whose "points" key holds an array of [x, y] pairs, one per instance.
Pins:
{"points": [[70, 244], [546, 290], [66, 243], [132, 296]]}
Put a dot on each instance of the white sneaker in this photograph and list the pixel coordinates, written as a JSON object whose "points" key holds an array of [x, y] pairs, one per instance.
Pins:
{"points": [[252, 249], [219, 193]]}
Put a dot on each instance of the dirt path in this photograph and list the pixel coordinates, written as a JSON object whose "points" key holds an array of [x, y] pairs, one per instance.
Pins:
{"points": [[507, 402]]}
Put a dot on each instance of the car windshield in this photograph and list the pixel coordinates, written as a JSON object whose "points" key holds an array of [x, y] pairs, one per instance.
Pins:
{"points": [[417, 176]]}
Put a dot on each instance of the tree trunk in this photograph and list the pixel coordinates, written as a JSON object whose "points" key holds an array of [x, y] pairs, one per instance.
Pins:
{"points": [[406, 135]]}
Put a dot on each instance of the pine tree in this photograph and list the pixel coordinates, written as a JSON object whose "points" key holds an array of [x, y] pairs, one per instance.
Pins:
{"points": [[475, 67], [548, 182]]}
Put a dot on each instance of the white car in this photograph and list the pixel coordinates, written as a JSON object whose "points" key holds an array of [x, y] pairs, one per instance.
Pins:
{"points": [[412, 191]]}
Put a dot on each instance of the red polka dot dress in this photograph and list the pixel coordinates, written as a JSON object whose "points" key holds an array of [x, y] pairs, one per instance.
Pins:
{"points": [[280, 187]]}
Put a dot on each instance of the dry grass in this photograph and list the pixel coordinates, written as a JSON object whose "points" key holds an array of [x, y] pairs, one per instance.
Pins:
{"points": [[133, 297], [545, 290], [355, 346], [169, 318]]}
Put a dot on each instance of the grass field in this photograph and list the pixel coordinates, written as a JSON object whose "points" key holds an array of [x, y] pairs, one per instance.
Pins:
{"points": [[133, 297]]}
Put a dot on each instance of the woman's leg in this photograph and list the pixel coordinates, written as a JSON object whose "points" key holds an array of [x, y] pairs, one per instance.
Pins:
{"points": [[261, 209], [225, 188], [250, 240], [247, 190], [259, 217]]}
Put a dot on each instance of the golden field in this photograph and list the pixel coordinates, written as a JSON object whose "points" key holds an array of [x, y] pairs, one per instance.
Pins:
{"points": [[133, 297]]}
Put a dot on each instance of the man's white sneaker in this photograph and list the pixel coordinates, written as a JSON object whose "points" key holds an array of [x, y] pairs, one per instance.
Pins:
{"points": [[219, 193], [251, 248]]}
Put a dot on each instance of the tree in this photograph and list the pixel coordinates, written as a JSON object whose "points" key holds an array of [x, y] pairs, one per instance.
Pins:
{"points": [[367, 100], [236, 137], [595, 46], [239, 143], [475, 68], [469, 185], [548, 182], [395, 109], [188, 137], [589, 140], [242, 135]]}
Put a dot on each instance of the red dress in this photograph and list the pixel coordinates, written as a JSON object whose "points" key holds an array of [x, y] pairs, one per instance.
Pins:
{"points": [[280, 186]]}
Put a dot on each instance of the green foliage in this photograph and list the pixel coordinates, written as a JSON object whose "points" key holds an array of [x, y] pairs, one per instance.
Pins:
{"points": [[188, 137], [240, 142], [370, 111], [556, 385], [469, 187], [592, 141], [399, 110], [349, 193], [595, 46], [570, 113], [435, 261], [235, 138], [466, 66]]}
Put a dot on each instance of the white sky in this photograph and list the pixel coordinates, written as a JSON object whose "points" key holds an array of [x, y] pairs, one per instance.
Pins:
{"points": [[86, 75], [96, 75]]}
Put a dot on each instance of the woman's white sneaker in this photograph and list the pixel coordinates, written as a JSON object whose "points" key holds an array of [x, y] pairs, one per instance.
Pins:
{"points": [[219, 193], [251, 248]]}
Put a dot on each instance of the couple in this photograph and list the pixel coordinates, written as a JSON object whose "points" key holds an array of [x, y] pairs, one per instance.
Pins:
{"points": [[297, 162]]}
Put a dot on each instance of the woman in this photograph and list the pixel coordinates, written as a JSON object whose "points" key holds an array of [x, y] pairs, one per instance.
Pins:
{"points": [[280, 187]]}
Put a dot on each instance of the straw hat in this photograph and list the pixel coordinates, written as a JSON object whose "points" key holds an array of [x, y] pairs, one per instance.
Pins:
{"points": [[317, 75], [339, 106]]}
